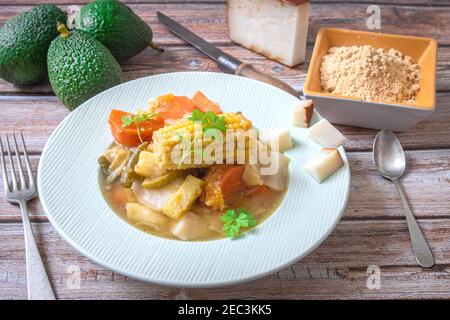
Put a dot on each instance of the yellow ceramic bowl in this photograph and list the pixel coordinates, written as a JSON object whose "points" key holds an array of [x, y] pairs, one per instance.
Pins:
{"points": [[374, 114]]}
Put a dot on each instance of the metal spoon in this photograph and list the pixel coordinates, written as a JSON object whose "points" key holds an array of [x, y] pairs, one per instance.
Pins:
{"points": [[390, 161]]}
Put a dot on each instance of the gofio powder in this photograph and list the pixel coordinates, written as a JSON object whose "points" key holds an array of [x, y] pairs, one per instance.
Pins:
{"points": [[370, 74]]}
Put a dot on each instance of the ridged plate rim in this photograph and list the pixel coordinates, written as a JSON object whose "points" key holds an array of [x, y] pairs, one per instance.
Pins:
{"points": [[247, 249]]}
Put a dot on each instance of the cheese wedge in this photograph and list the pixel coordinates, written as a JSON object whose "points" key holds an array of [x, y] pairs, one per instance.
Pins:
{"points": [[324, 164], [277, 139], [302, 113], [275, 28], [325, 134]]}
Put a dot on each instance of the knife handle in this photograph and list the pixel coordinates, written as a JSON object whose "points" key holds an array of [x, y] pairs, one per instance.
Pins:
{"points": [[249, 71]]}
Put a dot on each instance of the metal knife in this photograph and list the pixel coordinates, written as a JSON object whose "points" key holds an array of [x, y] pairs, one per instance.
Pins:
{"points": [[226, 62]]}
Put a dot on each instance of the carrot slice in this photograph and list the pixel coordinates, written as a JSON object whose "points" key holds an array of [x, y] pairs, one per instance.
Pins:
{"points": [[204, 104], [129, 136], [174, 107], [231, 180], [119, 196], [222, 184]]}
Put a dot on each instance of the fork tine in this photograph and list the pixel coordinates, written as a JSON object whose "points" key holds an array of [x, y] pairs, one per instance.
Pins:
{"points": [[19, 163], [11, 164], [5, 177], [27, 162]]}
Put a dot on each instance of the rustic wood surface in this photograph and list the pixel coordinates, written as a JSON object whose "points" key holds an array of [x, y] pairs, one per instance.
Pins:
{"points": [[372, 231]]}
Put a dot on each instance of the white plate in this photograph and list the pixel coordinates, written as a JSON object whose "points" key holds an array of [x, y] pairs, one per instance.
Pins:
{"points": [[70, 195]]}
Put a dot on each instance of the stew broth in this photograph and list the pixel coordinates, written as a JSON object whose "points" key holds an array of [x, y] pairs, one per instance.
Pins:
{"points": [[260, 201]]}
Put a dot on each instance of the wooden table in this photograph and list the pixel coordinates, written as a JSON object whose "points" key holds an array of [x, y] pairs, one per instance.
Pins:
{"points": [[373, 229]]}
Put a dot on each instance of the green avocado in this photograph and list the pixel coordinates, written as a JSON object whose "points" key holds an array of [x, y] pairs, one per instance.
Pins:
{"points": [[24, 41], [79, 67], [116, 26]]}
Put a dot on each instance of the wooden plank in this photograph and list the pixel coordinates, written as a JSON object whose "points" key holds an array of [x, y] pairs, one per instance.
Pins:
{"points": [[209, 20], [337, 269], [185, 58], [368, 2], [38, 116], [426, 182], [383, 2], [99, 283], [71, 2]]}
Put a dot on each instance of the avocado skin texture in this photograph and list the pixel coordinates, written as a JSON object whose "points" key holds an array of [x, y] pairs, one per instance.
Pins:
{"points": [[79, 67], [24, 41], [116, 26]]}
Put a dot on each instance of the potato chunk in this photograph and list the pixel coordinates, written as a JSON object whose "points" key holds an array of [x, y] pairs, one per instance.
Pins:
{"points": [[143, 215], [190, 227], [155, 198], [275, 176], [251, 175], [148, 165], [181, 201]]}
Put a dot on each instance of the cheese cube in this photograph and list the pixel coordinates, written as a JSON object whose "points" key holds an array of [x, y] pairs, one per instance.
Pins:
{"points": [[302, 113], [277, 139], [325, 134], [324, 164], [275, 28]]}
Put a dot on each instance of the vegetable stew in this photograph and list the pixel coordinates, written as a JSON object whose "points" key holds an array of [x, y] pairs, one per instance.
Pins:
{"points": [[183, 169]]}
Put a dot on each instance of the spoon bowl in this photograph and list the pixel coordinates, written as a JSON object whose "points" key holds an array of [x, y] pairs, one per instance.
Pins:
{"points": [[388, 155]]}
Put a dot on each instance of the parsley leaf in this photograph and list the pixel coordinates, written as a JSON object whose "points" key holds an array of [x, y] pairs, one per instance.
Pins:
{"points": [[196, 115], [137, 118], [209, 120], [245, 219], [127, 121], [235, 220]]}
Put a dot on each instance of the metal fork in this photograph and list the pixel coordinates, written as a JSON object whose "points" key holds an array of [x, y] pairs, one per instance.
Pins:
{"points": [[20, 192]]}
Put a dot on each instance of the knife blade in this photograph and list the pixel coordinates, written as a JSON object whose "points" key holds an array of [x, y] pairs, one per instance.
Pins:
{"points": [[226, 62]]}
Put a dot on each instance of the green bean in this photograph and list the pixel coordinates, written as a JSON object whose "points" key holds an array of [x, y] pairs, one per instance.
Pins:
{"points": [[158, 182], [128, 174], [104, 165]]}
